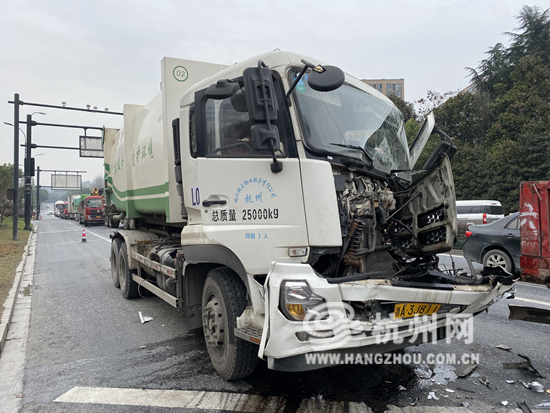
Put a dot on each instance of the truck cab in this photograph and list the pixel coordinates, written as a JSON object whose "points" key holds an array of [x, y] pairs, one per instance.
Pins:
{"points": [[272, 202], [90, 211]]}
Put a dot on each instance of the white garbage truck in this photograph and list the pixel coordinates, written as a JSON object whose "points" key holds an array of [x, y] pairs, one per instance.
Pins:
{"points": [[272, 203]]}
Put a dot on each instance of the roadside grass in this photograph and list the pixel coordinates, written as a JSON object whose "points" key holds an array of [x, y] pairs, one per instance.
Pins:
{"points": [[10, 256]]}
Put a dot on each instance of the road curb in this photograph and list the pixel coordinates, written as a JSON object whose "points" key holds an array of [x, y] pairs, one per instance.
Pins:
{"points": [[9, 304]]}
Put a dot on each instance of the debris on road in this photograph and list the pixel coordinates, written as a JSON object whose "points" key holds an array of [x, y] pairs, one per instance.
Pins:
{"points": [[504, 403], [532, 314], [431, 395], [522, 365], [423, 371], [144, 319], [543, 405], [401, 388], [510, 381], [465, 369], [536, 386], [524, 384], [143, 347], [484, 380], [503, 347]]}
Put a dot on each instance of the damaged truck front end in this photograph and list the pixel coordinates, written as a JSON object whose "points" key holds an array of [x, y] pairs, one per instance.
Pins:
{"points": [[383, 284]]}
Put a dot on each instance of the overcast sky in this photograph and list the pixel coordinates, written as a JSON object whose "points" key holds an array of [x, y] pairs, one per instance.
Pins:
{"points": [[107, 53]]}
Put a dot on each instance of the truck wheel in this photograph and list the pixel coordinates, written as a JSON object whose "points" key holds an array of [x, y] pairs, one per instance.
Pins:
{"points": [[85, 223], [128, 286], [223, 300], [115, 247], [498, 258]]}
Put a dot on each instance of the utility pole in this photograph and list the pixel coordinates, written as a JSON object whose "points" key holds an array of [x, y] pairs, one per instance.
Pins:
{"points": [[28, 166], [15, 165]]}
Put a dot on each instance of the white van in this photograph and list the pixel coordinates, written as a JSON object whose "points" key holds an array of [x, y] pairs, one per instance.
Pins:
{"points": [[478, 212]]}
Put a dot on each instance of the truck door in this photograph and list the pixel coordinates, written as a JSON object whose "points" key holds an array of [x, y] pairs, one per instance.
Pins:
{"points": [[243, 205]]}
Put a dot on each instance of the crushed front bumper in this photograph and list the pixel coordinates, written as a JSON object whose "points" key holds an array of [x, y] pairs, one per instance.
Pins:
{"points": [[285, 343]]}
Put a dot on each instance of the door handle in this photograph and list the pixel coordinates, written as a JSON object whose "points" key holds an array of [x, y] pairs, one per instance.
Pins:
{"points": [[509, 235], [214, 202]]}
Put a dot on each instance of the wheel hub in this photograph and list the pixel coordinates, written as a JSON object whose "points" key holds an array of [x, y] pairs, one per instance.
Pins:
{"points": [[213, 323], [496, 261]]}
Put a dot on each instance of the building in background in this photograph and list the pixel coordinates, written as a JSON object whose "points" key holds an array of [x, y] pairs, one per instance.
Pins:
{"points": [[388, 86]]}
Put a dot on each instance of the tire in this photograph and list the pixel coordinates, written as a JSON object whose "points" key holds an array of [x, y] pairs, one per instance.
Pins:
{"points": [[224, 298], [496, 258], [115, 247], [128, 286], [85, 223]]}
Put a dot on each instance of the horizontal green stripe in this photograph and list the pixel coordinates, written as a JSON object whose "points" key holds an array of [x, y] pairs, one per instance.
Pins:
{"points": [[150, 190]]}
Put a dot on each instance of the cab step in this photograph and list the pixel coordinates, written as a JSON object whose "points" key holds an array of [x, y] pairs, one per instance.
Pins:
{"points": [[252, 334]]}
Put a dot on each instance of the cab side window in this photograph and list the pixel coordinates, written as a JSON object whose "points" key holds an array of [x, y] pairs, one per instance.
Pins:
{"points": [[228, 129]]}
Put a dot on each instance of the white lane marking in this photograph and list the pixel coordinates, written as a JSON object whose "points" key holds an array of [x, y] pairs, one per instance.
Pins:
{"points": [[99, 236], [198, 400], [532, 285], [531, 301], [55, 232], [61, 243], [90, 232], [202, 400]]}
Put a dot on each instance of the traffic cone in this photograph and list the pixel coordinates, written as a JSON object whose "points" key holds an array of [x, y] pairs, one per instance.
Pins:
{"points": [[83, 235]]}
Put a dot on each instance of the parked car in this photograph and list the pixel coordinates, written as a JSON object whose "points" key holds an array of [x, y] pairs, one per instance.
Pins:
{"points": [[50, 212], [495, 244], [478, 212]]}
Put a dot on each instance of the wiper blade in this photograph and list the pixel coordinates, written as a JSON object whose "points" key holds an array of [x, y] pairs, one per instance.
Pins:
{"points": [[343, 145]]}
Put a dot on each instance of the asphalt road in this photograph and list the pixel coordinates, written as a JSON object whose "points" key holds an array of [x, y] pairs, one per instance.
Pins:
{"points": [[83, 333]]}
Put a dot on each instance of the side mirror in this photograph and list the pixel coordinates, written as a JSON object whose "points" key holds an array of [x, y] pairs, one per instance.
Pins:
{"points": [[223, 89], [254, 79], [326, 78], [261, 137], [443, 147], [421, 139]]}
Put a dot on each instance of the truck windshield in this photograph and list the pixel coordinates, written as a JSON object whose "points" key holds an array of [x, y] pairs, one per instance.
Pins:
{"points": [[94, 203], [351, 116]]}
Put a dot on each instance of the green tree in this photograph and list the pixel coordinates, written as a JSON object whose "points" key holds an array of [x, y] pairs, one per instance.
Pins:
{"points": [[6, 181], [525, 107], [406, 108], [464, 117], [433, 99], [531, 38]]}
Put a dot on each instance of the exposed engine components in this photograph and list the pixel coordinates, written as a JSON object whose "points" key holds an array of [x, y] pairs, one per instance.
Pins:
{"points": [[386, 230]]}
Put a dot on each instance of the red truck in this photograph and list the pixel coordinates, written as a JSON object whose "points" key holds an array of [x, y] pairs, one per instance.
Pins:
{"points": [[64, 213], [535, 231], [90, 211]]}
